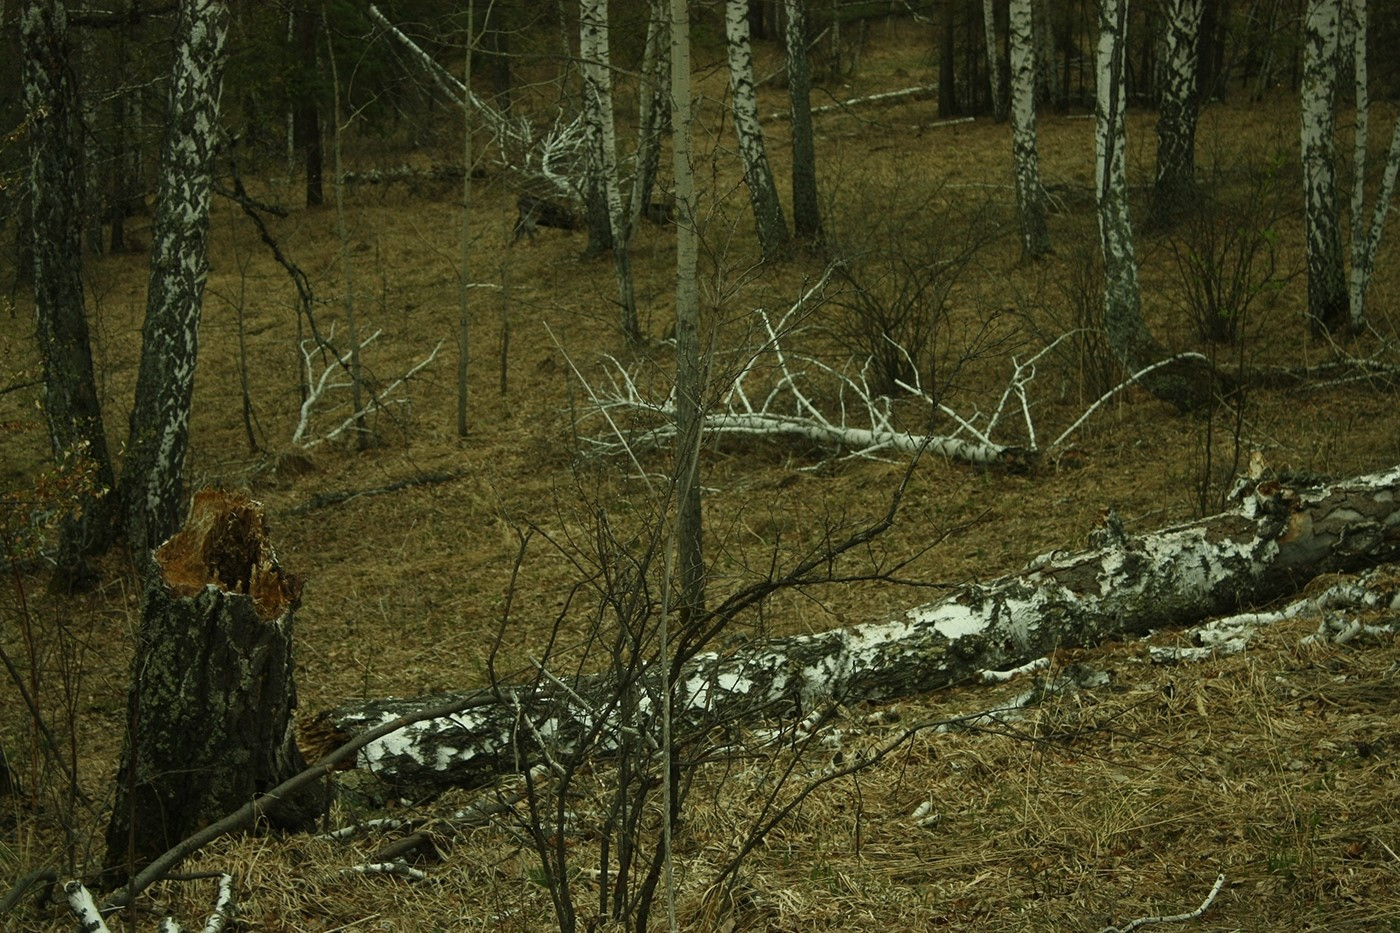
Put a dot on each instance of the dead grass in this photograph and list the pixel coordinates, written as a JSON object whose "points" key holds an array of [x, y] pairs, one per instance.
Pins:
{"points": [[1277, 767]]}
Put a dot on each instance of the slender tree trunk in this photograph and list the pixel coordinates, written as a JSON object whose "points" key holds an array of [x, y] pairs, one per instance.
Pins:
{"points": [[1030, 195], [806, 207], [342, 229], [1183, 385], [1043, 28], [690, 379], [947, 64], [307, 115], [1364, 240], [652, 110], [464, 282], [1327, 292], [602, 152], [995, 75], [1176, 121], [71, 405], [152, 473], [758, 175]]}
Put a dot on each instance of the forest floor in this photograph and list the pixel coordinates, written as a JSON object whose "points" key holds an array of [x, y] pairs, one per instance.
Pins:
{"points": [[1277, 767]]}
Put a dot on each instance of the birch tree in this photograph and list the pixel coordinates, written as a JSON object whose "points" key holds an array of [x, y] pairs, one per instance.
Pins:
{"points": [[1327, 291], [156, 447], [1030, 195], [653, 106], [71, 405], [1365, 237], [806, 210], [1183, 384], [758, 175], [1177, 112], [604, 194]]}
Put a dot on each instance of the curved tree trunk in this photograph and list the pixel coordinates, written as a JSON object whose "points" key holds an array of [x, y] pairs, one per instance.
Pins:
{"points": [[1176, 121], [152, 472], [806, 209], [71, 405], [758, 176], [1327, 291], [1030, 195], [1269, 546], [212, 690], [1187, 384]]}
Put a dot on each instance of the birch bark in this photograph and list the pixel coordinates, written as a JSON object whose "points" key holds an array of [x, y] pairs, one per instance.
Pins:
{"points": [[758, 175], [1327, 291], [1030, 195], [1275, 540], [1176, 121], [157, 445], [594, 31]]}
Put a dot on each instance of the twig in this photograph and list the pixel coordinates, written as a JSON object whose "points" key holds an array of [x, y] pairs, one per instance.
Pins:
{"points": [[1175, 918]]}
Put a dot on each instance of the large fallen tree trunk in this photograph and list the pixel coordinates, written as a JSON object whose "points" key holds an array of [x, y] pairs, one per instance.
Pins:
{"points": [[1273, 542]]}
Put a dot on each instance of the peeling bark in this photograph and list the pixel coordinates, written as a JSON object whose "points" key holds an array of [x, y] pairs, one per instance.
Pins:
{"points": [[213, 687], [152, 473], [1270, 545]]}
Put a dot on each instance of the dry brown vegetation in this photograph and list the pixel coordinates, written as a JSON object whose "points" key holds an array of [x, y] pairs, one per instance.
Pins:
{"points": [[1277, 767]]}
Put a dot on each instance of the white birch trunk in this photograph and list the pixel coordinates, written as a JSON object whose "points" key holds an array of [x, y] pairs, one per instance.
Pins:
{"points": [[1365, 238], [602, 146], [758, 176], [1186, 385], [1269, 546], [1327, 292], [1176, 122], [1030, 195], [152, 473]]}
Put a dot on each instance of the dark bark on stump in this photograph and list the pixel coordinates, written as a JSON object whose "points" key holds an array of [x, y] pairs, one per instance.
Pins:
{"points": [[212, 689], [1275, 541]]}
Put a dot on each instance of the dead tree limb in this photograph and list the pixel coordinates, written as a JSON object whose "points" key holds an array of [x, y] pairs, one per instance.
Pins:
{"points": [[1273, 542]]}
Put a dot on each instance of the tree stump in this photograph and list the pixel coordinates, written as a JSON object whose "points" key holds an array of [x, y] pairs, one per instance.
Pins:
{"points": [[210, 710]]}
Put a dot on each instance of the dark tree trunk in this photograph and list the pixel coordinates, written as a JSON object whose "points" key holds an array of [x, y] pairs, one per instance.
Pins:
{"points": [[806, 209], [212, 689], [306, 118], [947, 63], [1176, 120], [71, 404], [156, 447], [1269, 546]]}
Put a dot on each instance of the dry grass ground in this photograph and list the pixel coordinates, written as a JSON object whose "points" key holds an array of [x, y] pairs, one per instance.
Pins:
{"points": [[1277, 767]]}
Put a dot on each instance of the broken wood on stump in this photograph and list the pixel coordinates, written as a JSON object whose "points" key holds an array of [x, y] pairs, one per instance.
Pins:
{"points": [[1270, 545], [210, 709]]}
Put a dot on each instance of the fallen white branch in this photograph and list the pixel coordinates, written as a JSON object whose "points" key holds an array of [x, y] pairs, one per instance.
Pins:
{"points": [[401, 869], [883, 97], [319, 386], [84, 908], [1174, 918]]}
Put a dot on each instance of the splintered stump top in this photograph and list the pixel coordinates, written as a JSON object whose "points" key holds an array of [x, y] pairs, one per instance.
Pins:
{"points": [[213, 692], [225, 544]]}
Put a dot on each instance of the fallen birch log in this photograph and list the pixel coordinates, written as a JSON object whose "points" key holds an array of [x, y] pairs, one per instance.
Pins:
{"points": [[1272, 543]]}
